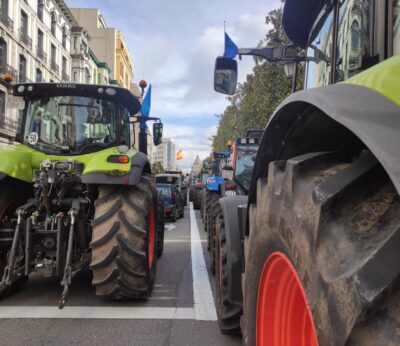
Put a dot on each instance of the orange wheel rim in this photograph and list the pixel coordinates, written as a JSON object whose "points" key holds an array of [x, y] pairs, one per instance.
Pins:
{"points": [[284, 317], [152, 237]]}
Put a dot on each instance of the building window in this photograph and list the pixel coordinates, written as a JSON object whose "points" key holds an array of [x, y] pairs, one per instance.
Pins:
{"points": [[3, 56], [2, 108], [22, 69], [40, 40], [53, 53], [24, 22], [64, 69], [64, 37], [40, 7], [75, 77], [39, 76], [3, 8], [87, 76], [53, 23]]}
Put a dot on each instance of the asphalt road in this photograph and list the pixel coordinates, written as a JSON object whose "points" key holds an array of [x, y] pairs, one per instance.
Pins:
{"points": [[180, 311]]}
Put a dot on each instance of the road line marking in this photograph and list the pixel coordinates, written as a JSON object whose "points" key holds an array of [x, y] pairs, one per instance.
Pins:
{"points": [[98, 312], [203, 298]]}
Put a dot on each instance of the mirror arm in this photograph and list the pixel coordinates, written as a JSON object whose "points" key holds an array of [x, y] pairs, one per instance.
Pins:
{"points": [[264, 53]]}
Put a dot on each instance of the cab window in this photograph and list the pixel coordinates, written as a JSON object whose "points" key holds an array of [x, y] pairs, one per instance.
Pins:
{"points": [[396, 27], [354, 37], [319, 52]]}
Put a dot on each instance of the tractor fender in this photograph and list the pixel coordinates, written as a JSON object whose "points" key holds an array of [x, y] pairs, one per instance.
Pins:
{"points": [[140, 164], [340, 117], [234, 245]]}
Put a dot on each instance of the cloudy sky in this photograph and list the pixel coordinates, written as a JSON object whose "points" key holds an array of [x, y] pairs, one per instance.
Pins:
{"points": [[174, 44]]}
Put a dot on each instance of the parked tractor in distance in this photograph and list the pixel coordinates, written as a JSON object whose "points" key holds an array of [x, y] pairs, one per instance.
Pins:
{"points": [[321, 226], [74, 194], [226, 241]]}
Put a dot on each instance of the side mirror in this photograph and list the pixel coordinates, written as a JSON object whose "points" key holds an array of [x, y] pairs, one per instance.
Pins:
{"points": [[157, 133], [225, 75]]}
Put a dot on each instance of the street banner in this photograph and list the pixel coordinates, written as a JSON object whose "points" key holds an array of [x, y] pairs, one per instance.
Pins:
{"points": [[179, 154]]}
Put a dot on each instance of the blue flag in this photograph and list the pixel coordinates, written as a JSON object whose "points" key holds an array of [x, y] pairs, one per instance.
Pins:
{"points": [[146, 104], [231, 48]]}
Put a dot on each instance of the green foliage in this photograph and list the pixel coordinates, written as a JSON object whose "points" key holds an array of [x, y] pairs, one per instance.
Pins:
{"points": [[257, 98], [157, 168]]}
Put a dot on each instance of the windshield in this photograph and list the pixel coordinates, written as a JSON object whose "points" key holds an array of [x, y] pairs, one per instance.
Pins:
{"points": [[165, 189], [73, 124], [205, 177], [168, 179], [244, 168]]}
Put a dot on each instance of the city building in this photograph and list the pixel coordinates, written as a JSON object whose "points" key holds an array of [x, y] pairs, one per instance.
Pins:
{"points": [[124, 72], [86, 68], [196, 167], [165, 153], [35, 40], [107, 44]]}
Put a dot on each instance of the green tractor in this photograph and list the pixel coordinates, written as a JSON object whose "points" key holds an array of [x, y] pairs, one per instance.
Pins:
{"points": [[320, 233], [74, 194]]}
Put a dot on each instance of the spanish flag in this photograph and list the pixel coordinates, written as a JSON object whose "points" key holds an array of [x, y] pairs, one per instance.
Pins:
{"points": [[179, 154]]}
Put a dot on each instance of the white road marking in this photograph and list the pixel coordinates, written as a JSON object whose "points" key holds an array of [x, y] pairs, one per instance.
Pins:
{"points": [[98, 312], [203, 298], [169, 227]]}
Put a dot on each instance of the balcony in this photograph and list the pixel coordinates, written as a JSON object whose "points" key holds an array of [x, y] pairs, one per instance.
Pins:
{"points": [[42, 55], [65, 77], [10, 70], [23, 79], [54, 67], [9, 23], [25, 38]]}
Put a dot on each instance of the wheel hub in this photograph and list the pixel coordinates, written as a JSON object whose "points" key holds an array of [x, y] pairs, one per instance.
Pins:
{"points": [[284, 317]]}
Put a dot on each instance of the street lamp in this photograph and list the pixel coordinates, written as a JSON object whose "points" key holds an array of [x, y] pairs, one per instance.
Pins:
{"points": [[290, 66]]}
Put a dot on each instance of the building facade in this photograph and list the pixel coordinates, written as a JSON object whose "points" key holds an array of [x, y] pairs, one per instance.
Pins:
{"points": [[124, 71], [86, 67], [35, 38], [165, 153]]}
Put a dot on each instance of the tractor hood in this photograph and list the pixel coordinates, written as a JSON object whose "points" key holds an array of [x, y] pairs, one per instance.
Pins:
{"points": [[114, 94], [299, 17], [20, 161]]}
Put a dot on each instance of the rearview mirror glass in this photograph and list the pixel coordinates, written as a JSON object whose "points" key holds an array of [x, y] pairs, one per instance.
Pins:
{"points": [[225, 75], [157, 133]]}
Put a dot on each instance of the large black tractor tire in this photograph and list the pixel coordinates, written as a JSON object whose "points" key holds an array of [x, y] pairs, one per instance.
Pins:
{"points": [[213, 212], [228, 312], [174, 215], [197, 199], [203, 210], [161, 227], [13, 193], [124, 245], [191, 192], [322, 256]]}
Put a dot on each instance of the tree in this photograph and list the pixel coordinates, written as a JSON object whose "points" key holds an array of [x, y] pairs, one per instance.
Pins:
{"points": [[157, 168]]}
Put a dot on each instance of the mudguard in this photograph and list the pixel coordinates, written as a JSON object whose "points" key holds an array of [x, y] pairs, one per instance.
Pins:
{"points": [[140, 164], [235, 254], [343, 117]]}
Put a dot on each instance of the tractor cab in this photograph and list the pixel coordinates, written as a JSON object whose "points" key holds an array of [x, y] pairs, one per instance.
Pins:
{"points": [[73, 119]]}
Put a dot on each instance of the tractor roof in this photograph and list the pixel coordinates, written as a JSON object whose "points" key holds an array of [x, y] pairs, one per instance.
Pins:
{"points": [[299, 17], [107, 92]]}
